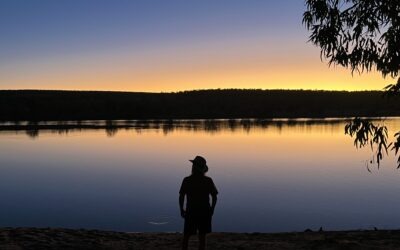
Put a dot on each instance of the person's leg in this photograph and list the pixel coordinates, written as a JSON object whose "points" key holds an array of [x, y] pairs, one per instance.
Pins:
{"points": [[202, 241], [185, 241]]}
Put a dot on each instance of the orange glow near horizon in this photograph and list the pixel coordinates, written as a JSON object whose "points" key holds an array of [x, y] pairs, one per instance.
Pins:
{"points": [[189, 47], [321, 79], [258, 65]]}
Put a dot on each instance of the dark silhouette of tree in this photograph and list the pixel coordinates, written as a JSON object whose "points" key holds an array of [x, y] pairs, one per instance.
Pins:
{"points": [[32, 105], [358, 34], [362, 35]]}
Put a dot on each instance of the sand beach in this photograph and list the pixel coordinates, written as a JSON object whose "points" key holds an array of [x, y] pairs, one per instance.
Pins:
{"points": [[77, 239]]}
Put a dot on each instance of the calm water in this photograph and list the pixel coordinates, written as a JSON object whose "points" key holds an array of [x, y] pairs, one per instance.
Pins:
{"points": [[272, 176]]}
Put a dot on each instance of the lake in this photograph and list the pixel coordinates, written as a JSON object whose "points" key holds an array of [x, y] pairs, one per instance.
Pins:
{"points": [[272, 175]]}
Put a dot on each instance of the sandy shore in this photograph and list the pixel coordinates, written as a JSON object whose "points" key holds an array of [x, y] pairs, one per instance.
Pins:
{"points": [[53, 238]]}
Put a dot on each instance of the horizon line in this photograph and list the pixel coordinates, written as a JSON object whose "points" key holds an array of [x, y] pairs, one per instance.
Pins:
{"points": [[192, 90]]}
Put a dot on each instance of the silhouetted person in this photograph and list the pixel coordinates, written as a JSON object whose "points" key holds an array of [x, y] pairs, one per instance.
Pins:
{"points": [[198, 213]]}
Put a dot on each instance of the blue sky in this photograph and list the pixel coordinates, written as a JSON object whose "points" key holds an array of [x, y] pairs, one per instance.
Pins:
{"points": [[122, 45]]}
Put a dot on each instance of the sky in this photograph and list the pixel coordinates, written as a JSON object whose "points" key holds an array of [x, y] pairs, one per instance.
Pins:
{"points": [[164, 46]]}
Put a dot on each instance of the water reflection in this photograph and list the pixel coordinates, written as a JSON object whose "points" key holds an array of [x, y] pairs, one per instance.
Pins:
{"points": [[111, 127], [273, 175]]}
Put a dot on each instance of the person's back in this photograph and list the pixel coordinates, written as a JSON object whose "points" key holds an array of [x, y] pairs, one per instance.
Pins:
{"points": [[198, 189], [198, 213]]}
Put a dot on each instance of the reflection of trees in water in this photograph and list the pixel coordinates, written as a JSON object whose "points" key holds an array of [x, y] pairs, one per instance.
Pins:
{"points": [[231, 124], [168, 127], [32, 133], [246, 124], [212, 126], [111, 127]]}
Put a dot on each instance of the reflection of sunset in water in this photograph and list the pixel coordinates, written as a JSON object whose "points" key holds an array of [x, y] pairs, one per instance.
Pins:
{"points": [[286, 176]]}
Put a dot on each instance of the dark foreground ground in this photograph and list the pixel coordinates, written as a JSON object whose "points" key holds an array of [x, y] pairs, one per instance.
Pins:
{"points": [[46, 238]]}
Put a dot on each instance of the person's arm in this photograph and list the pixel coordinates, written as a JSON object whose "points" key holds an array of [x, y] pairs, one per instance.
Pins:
{"points": [[181, 202], [213, 193], [213, 202], [182, 193]]}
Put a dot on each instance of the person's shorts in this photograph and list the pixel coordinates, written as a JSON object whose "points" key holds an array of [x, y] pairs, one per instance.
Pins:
{"points": [[200, 224]]}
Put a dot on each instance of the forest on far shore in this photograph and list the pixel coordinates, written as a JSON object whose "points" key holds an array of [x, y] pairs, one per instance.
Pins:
{"points": [[42, 105]]}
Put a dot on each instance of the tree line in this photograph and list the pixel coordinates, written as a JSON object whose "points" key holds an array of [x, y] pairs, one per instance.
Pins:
{"points": [[41, 105]]}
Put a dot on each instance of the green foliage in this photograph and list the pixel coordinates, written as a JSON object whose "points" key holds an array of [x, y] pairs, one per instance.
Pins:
{"points": [[360, 34]]}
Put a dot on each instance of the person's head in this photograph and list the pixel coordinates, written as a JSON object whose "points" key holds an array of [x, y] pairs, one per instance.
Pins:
{"points": [[199, 166]]}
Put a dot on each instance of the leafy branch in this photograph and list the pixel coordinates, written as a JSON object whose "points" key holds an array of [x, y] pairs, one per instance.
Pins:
{"points": [[376, 136], [362, 36]]}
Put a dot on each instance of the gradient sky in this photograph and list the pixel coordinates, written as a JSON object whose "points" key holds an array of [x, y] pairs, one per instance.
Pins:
{"points": [[164, 45]]}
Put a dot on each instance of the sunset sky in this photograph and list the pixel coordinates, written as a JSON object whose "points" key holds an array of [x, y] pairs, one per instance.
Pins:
{"points": [[164, 45]]}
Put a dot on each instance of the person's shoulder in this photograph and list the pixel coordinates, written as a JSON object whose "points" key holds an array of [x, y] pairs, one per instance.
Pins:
{"points": [[186, 178], [208, 178]]}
